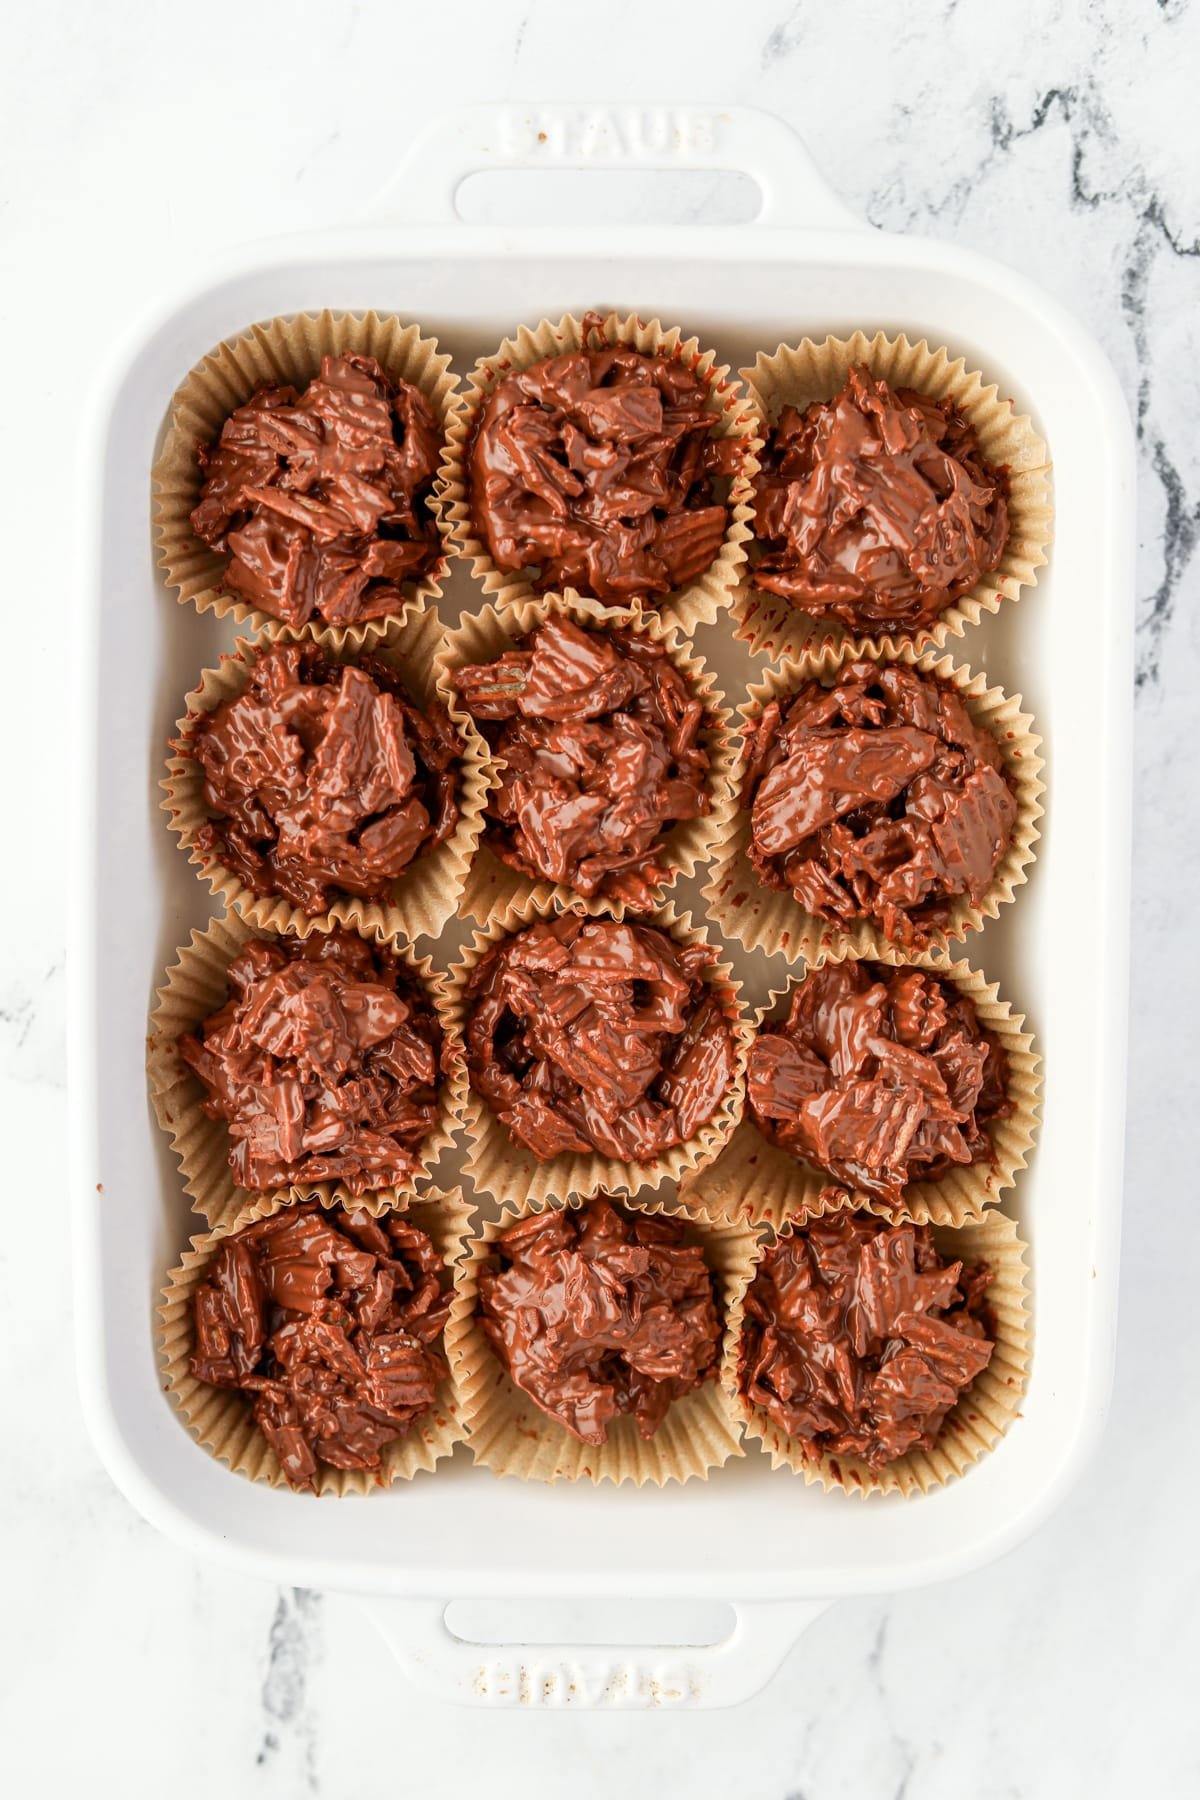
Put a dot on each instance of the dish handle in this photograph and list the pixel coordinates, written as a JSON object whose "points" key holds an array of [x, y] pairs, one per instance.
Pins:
{"points": [[495, 135], [591, 1677]]}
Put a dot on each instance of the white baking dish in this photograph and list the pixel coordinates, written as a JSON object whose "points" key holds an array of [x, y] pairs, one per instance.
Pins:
{"points": [[767, 1543]]}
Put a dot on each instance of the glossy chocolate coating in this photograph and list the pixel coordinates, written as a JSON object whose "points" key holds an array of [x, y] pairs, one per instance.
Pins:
{"points": [[324, 1063], [859, 1338], [320, 499], [877, 798], [323, 778], [601, 1310], [876, 508], [326, 1321], [597, 469], [586, 1035], [880, 1076], [597, 731]]}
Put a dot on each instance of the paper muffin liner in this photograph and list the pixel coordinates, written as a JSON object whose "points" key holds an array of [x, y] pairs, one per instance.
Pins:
{"points": [[754, 1179], [510, 1435], [505, 1170], [817, 371], [277, 352], [220, 1419], [772, 919], [196, 987], [699, 601], [983, 1414], [426, 893], [491, 884]]}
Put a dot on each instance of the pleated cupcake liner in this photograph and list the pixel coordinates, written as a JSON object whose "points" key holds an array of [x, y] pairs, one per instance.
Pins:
{"points": [[505, 1170], [510, 1435], [983, 1414], [196, 986], [425, 894], [697, 602], [772, 919], [796, 375], [221, 1420], [492, 884], [279, 352], [755, 1180]]}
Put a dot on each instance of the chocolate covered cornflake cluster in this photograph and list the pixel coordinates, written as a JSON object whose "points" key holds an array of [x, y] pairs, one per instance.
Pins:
{"points": [[324, 1064], [598, 734], [878, 798], [598, 1311], [859, 1337], [320, 499], [587, 1035], [880, 1076], [601, 470], [877, 508], [327, 1321], [323, 778]]}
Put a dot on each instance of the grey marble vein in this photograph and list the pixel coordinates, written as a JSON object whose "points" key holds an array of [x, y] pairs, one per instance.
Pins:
{"points": [[1101, 176], [293, 1648], [784, 38]]}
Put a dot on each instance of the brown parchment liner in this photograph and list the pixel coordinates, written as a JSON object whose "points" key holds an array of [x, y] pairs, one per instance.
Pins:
{"points": [[817, 371], [699, 601], [278, 352], [197, 986], [754, 1179], [974, 1426], [772, 919], [508, 1434], [221, 1420], [425, 894], [491, 884], [508, 1172]]}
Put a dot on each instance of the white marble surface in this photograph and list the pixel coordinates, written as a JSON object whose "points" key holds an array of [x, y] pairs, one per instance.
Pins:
{"points": [[1058, 136]]}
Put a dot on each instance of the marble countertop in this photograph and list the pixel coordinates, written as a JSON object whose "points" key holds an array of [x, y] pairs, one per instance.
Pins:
{"points": [[1057, 136]]}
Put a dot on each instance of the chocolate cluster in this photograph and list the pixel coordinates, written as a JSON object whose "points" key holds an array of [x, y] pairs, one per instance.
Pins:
{"points": [[320, 499], [323, 779], [598, 735], [859, 1337], [327, 1322], [878, 798], [601, 470], [876, 508], [598, 1311], [324, 1064], [880, 1076], [587, 1035]]}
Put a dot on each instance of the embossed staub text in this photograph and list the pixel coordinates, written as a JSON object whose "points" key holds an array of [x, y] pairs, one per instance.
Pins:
{"points": [[555, 1683], [634, 133]]}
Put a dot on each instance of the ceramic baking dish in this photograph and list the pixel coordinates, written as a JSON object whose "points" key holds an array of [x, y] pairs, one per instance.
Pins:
{"points": [[772, 1547]]}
